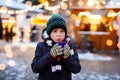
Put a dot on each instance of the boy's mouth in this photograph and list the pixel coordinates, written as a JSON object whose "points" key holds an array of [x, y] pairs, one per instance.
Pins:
{"points": [[59, 40]]}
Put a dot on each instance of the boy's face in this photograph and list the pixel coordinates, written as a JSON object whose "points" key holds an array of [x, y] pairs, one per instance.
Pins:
{"points": [[57, 35]]}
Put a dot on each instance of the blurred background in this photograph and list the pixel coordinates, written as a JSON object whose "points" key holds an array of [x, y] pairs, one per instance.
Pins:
{"points": [[93, 25]]}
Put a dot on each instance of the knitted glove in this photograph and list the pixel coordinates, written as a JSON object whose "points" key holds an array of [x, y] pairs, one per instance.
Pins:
{"points": [[56, 50], [66, 51]]}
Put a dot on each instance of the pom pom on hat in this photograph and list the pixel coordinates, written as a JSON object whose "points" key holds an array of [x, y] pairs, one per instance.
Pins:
{"points": [[56, 21]]}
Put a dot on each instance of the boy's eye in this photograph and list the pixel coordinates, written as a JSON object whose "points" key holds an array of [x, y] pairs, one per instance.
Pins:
{"points": [[58, 30], [62, 30], [54, 30]]}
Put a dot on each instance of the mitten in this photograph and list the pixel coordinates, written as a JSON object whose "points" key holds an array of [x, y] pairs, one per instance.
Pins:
{"points": [[56, 50], [66, 51]]}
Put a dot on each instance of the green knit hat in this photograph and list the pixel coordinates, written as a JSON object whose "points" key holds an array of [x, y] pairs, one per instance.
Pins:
{"points": [[56, 21]]}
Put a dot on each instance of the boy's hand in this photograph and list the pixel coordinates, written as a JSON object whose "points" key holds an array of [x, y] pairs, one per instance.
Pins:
{"points": [[66, 51], [56, 50]]}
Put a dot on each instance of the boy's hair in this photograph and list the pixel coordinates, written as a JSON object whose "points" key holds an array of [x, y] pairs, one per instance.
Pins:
{"points": [[56, 21]]}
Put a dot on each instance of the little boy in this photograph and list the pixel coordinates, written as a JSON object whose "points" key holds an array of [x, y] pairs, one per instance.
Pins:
{"points": [[56, 57]]}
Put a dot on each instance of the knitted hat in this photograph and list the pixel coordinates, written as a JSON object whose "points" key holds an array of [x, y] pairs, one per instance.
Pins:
{"points": [[56, 21]]}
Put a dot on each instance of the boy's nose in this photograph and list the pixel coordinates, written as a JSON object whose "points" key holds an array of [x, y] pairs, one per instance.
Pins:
{"points": [[58, 34]]}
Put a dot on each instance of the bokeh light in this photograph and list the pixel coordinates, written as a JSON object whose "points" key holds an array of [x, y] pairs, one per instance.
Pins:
{"points": [[9, 54], [63, 6], [2, 66], [7, 48], [115, 26], [3, 9], [109, 42], [73, 16], [80, 3], [28, 3], [118, 45], [11, 63]]}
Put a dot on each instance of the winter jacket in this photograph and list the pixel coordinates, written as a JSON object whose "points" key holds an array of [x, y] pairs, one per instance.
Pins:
{"points": [[43, 61]]}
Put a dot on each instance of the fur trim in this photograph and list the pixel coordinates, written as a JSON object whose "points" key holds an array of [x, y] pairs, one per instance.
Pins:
{"points": [[72, 52], [44, 34], [49, 42]]}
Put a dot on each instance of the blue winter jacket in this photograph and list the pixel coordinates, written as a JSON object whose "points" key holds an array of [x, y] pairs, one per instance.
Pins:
{"points": [[43, 61]]}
